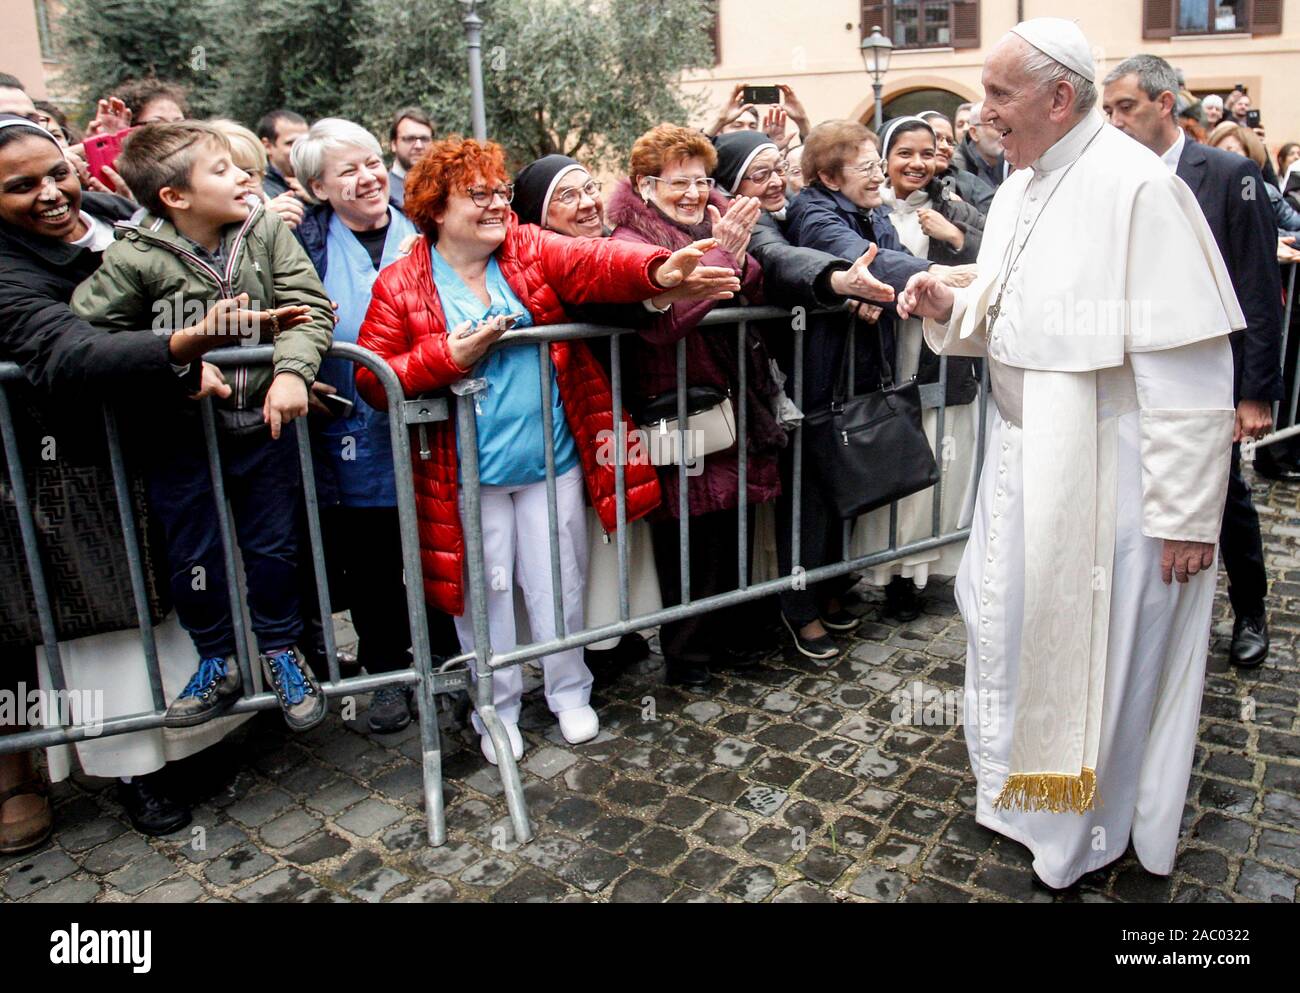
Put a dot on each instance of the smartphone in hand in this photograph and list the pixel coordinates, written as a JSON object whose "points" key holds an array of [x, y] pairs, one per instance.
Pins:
{"points": [[103, 150], [511, 320], [339, 406], [761, 94]]}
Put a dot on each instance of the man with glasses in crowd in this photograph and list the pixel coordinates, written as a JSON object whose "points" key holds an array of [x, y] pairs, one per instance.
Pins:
{"points": [[409, 137]]}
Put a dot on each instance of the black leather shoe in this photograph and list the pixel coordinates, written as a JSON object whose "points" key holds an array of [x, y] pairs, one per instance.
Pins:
{"points": [[1249, 642], [686, 673], [902, 599], [631, 648], [813, 648], [151, 813]]}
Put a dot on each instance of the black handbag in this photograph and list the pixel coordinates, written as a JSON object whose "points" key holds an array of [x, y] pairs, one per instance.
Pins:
{"points": [[870, 450]]}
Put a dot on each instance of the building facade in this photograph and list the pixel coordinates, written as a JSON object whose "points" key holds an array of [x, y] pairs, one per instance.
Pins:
{"points": [[27, 45], [940, 46]]}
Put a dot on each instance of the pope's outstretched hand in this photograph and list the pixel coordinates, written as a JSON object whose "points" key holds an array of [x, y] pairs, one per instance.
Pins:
{"points": [[926, 295]]}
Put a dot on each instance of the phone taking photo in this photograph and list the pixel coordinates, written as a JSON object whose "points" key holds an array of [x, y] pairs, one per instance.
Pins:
{"points": [[761, 94]]}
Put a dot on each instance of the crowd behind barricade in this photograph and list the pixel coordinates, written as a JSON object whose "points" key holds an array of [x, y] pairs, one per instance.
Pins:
{"points": [[120, 275]]}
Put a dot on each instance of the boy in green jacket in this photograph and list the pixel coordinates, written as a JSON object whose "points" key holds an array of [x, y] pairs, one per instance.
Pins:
{"points": [[203, 240]]}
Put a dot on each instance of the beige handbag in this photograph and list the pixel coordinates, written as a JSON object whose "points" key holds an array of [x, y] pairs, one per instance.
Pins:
{"points": [[710, 425]]}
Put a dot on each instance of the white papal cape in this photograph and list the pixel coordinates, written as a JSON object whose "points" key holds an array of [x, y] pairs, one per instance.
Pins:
{"points": [[1120, 291]]}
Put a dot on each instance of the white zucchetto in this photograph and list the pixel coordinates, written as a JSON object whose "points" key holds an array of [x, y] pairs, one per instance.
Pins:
{"points": [[1062, 41]]}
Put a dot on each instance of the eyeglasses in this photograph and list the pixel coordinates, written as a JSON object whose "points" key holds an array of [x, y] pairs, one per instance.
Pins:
{"points": [[761, 176], [680, 187], [573, 194], [485, 198], [417, 139], [869, 169]]}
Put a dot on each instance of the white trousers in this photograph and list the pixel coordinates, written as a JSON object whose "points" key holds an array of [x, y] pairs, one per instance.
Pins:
{"points": [[517, 550]]}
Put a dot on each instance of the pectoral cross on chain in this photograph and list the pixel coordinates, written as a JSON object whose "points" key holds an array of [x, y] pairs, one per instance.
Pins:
{"points": [[995, 309]]}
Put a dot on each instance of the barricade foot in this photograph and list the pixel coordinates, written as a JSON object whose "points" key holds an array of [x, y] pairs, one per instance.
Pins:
{"points": [[509, 771], [431, 755]]}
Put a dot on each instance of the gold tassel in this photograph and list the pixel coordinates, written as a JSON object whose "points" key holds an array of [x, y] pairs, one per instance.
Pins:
{"points": [[1053, 792]]}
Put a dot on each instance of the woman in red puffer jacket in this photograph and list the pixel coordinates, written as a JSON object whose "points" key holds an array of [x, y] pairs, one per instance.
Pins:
{"points": [[434, 316]]}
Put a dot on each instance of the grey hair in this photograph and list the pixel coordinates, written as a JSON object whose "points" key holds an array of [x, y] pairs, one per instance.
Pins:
{"points": [[327, 135], [1046, 70], [1154, 74]]}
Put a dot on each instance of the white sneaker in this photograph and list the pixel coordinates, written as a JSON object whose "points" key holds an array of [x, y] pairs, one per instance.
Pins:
{"points": [[516, 743], [578, 725]]}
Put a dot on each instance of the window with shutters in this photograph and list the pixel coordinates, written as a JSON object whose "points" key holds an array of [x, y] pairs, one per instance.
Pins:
{"points": [[924, 23], [715, 33], [1166, 18], [48, 51]]}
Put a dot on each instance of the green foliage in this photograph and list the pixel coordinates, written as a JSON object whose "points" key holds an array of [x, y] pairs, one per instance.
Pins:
{"points": [[582, 77], [299, 54], [106, 42]]}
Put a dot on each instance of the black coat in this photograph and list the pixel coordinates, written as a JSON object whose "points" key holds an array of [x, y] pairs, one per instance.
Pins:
{"points": [[826, 220], [970, 187], [68, 367], [1245, 231]]}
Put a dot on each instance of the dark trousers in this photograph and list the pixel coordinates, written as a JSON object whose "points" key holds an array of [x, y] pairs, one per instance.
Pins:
{"points": [[713, 570], [265, 492], [821, 539], [363, 554], [1242, 547]]}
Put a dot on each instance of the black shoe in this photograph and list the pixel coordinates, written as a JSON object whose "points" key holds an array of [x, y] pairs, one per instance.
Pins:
{"points": [[840, 620], [631, 648], [390, 710], [1249, 642], [814, 648], [686, 673], [151, 813], [214, 686], [739, 657], [902, 599]]}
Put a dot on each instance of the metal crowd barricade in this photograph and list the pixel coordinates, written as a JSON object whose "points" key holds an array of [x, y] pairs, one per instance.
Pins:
{"points": [[427, 682], [485, 660], [1287, 428], [453, 675]]}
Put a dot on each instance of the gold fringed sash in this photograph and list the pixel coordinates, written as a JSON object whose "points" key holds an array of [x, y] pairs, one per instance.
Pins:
{"points": [[1069, 484], [1049, 791]]}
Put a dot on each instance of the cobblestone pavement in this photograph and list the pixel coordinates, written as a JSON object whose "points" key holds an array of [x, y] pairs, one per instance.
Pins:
{"points": [[788, 784]]}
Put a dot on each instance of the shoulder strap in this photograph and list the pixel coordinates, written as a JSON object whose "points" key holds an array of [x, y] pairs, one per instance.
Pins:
{"points": [[843, 386]]}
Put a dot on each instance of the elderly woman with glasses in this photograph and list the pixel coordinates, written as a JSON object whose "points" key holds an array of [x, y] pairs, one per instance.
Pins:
{"points": [[749, 164], [435, 317], [560, 194], [841, 211], [670, 200]]}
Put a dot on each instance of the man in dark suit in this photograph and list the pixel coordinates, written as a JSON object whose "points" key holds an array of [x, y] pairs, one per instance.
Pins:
{"points": [[1139, 99]]}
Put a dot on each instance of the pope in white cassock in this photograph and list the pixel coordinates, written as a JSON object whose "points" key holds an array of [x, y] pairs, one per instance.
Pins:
{"points": [[1103, 307]]}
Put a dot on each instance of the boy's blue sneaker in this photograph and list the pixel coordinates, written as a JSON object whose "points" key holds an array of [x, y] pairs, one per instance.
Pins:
{"points": [[211, 690], [300, 695]]}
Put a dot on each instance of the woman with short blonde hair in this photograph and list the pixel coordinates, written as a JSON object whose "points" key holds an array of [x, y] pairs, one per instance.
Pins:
{"points": [[248, 153]]}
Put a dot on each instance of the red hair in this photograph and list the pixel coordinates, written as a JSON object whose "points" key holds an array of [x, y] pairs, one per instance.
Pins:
{"points": [[452, 163]]}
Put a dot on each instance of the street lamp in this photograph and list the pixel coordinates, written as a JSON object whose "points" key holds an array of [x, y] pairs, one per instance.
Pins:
{"points": [[876, 49], [474, 37]]}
